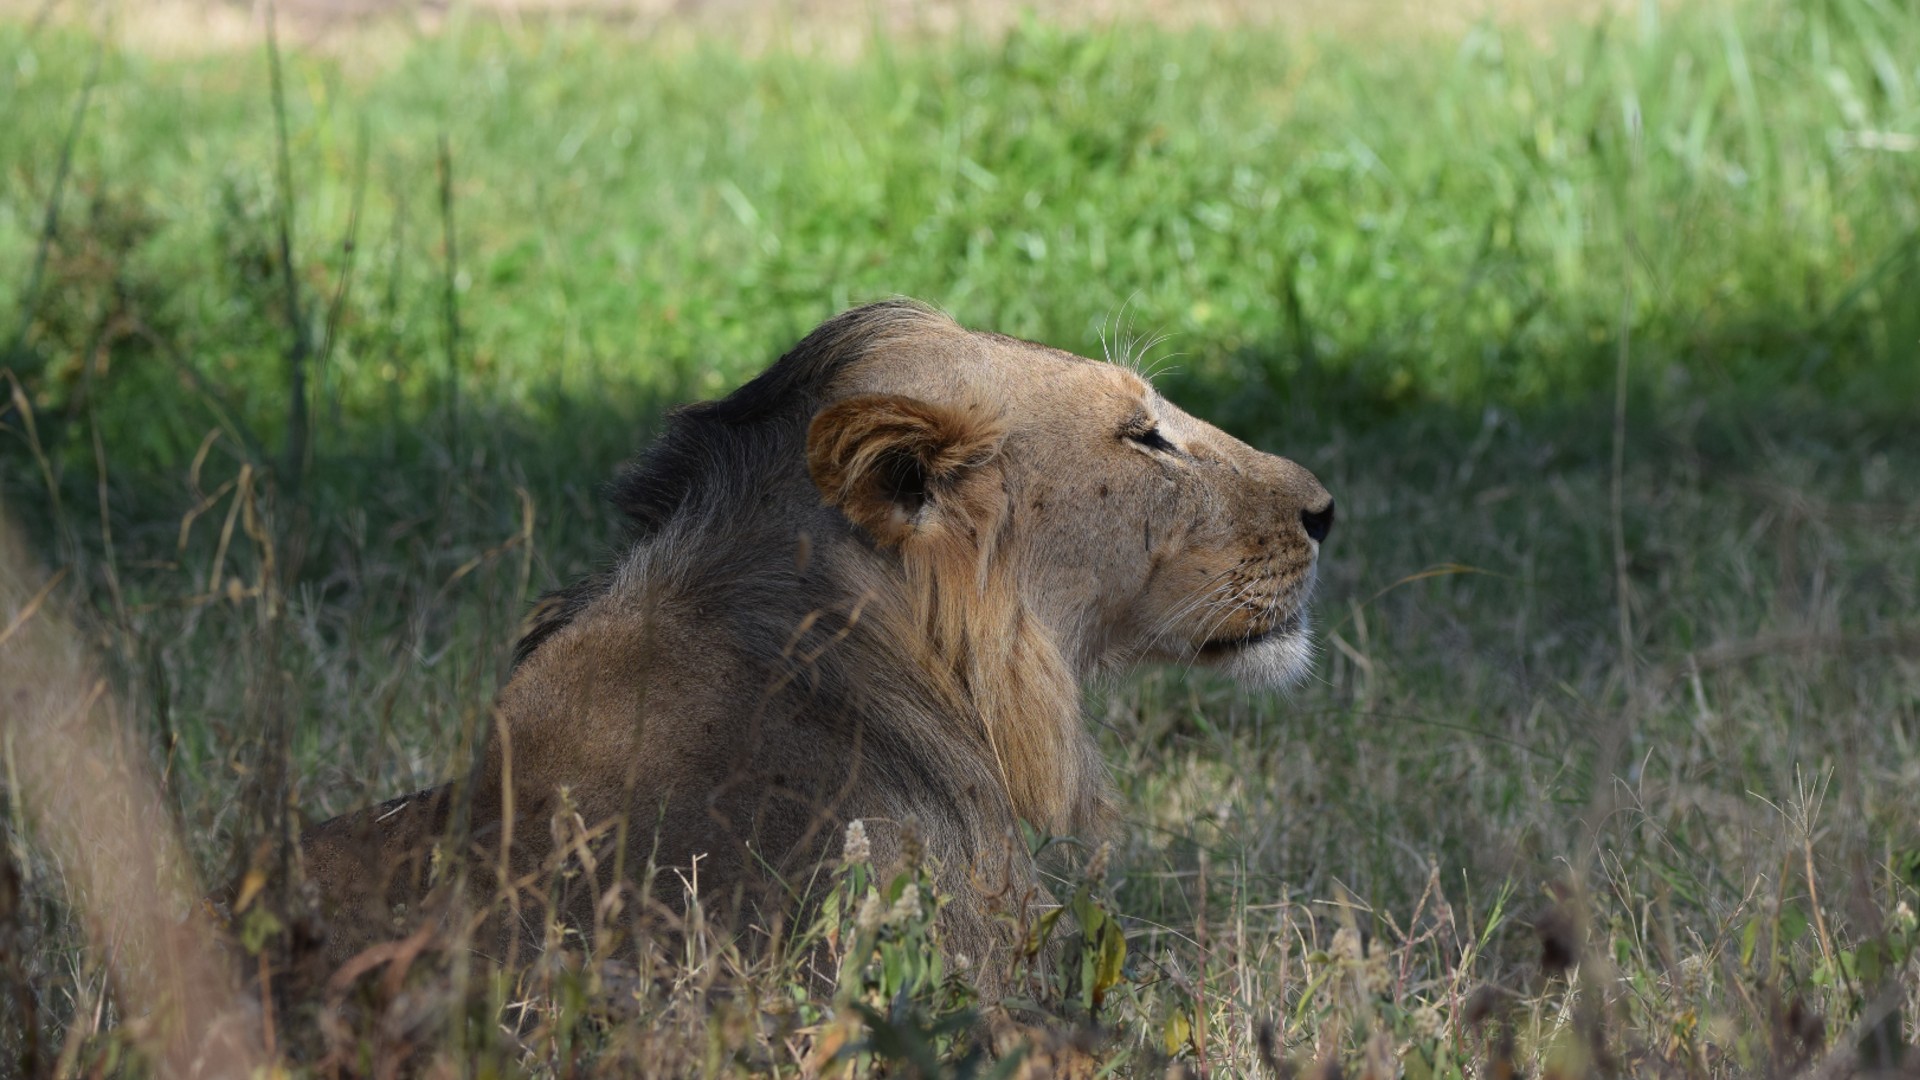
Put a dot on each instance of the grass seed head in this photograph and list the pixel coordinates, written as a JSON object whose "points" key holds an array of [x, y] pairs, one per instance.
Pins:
{"points": [[1097, 866], [1346, 945], [906, 910], [857, 848], [912, 848], [1427, 1023], [872, 914], [1375, 975]]}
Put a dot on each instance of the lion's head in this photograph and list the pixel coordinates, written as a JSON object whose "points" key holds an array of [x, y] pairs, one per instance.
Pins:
{"points": [[1011, 519], [1021, 519], [1130, 529]]}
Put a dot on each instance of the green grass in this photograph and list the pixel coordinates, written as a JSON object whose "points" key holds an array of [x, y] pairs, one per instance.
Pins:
{"points": [[1413, 264], [1453, 221]]}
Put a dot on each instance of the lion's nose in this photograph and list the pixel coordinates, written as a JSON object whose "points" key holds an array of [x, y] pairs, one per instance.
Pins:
{"points": [[1318, 523]]}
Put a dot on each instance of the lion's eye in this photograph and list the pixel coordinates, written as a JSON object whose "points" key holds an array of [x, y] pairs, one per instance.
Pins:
{"points": [[1152, 440]]}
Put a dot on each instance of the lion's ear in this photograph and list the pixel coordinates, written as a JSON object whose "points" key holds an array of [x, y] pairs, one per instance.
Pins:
{"points": [[892, 464]]}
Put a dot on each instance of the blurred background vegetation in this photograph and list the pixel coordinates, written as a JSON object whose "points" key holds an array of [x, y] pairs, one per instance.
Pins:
{"points": [[1603, 326]]}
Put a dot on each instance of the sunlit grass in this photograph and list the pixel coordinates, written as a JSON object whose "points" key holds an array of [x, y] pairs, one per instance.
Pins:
{"points": [[1451, 221]]}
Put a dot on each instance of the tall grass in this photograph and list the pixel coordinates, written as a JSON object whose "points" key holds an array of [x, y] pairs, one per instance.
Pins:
{"points": [[1501, 822]]}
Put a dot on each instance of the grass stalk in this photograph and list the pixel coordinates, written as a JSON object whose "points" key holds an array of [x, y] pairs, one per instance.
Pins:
{"points": [[300, 347], [450, 295], [337, 306], [50, 218]]}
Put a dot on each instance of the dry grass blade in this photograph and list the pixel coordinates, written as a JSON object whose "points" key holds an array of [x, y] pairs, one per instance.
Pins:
{"points": [[27, 610]]}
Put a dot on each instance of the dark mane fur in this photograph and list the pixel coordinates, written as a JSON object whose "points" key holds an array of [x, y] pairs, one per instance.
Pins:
{"points": [[710, 439]]}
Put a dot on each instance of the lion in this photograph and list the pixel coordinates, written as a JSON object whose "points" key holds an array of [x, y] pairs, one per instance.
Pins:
{"points": [[867, 585]]}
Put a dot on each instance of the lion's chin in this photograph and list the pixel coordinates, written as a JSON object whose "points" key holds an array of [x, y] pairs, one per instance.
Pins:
{"points": [[1271, 661]]}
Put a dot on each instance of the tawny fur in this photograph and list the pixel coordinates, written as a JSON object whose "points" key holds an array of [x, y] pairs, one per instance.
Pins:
{"points": [[869, 584]]}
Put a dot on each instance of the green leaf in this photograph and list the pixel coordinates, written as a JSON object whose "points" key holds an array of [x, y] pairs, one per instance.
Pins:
{"points": [[1042, 931], [1178, 1032], [1111, 961], [898, 885], [1793, 923], [1870, 962], [1906, 866], [259, 925]]}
